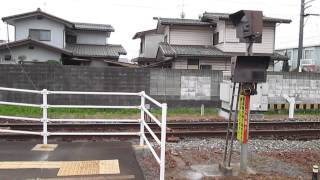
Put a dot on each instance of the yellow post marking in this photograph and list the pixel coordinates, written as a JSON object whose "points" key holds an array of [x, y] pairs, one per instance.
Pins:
{"points": [[241, 117]]}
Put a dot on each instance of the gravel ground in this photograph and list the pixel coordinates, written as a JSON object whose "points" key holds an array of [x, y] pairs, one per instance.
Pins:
{"points": [[254, 145], [271, 159]]}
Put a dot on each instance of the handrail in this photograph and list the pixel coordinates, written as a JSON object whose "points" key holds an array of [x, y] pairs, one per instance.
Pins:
{"points": [[19, 104], [96, 120], [94, 93], [152, 100], [143, 125], [93, 107], [152, 116], [152, 133], [20, 90], [20, 118]]}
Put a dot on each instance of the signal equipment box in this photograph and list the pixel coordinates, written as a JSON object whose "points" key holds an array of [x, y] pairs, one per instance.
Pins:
{"points": [[249, 69]]}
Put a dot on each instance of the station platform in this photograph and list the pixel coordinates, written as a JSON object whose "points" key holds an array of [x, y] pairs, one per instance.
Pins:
{"points": [[68, 161]]}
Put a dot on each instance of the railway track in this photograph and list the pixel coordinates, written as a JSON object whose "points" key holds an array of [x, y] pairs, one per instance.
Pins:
{"points": [[302, 130]]}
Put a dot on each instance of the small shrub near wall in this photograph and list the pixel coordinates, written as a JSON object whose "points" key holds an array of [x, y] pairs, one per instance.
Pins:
{"points": [[53, 62]]}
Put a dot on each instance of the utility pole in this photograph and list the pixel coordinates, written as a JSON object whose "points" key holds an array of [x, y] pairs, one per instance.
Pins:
{"points": [[302, 16], [301, 35]]}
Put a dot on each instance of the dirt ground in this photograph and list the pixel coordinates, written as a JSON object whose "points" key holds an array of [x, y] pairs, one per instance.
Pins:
{"points": [[274, 165]]}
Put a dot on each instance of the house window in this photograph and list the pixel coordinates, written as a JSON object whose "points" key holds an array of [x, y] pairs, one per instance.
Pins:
{"points": [[71, 39], [40, 34], [7, 57], [193, 64], [205, 66], [307, 54], [215, 39]]}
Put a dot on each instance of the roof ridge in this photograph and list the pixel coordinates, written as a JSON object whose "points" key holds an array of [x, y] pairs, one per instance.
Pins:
{"points": [[97, 44], [90, 23], [178, 18], [56, 18]]}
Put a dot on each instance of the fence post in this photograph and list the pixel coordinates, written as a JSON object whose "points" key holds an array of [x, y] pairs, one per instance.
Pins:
{"points": [[142, 118], [163, 141], [45, 115]]}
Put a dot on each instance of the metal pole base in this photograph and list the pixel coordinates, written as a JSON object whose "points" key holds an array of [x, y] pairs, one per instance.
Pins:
{"points": [[244, 158], [226, 170]]}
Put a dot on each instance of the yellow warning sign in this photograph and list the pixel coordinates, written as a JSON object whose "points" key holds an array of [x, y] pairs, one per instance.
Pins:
{"points": [[241, 117]]}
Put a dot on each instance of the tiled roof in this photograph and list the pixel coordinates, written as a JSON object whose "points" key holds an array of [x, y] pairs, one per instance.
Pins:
{"points": [[86, 50], [37, 13], [75, 25], [206, 51], [225, 16], [90, 26], [189, 50], [36, 43], [143, 59], [122, 64], [279, 57], [179, 21], [142, 33]]}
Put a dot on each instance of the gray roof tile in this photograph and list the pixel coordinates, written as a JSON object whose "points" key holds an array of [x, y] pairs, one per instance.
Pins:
{"points": [[86, 50], [190, 50], [206, 51], [142, 33], [96, 27], [179, 21], [224, 16], [75, 25]]}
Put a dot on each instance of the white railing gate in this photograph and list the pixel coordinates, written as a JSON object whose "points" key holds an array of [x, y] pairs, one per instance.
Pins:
{"points": [[45, 120]]}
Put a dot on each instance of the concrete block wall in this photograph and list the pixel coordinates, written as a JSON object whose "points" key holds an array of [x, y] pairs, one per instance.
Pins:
{"points": [[186, 88], [179, 88], [165, 85], [304, 86], [74, 78]]}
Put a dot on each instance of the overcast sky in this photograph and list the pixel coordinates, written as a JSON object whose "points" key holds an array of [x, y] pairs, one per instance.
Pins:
{"points": [[131, 16]]}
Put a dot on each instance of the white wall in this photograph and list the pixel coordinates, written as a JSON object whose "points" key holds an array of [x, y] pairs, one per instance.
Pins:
{"points": [[91, 37], [230, 43], [38, 54], [151, 44], [57, 30], [189, 35]]}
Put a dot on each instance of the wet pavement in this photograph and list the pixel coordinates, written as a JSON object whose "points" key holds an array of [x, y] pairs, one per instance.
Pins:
{"points": [[69, 151]]}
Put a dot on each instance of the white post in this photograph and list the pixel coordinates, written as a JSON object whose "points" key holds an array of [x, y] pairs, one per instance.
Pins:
{"points": [[292, 102], [202, 109], [163, 141], [45, 115], [142, 118]]}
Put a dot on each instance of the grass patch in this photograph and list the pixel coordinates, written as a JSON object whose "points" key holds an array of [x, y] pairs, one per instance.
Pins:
{"points": [[97, 113]]}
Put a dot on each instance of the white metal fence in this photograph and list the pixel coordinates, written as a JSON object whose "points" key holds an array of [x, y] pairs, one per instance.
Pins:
{"points": [[143, 125]]}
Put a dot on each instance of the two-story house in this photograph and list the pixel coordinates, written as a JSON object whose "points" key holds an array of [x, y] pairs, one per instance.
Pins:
{"points": [[149, 44], [310, 57], [208, 43], [42, 37]]}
